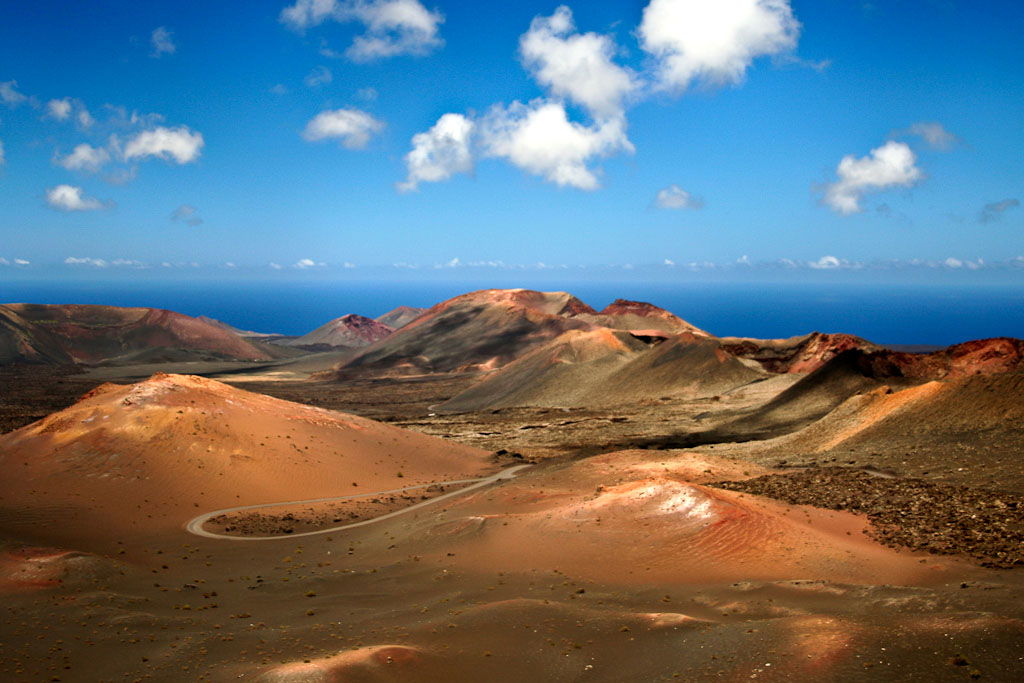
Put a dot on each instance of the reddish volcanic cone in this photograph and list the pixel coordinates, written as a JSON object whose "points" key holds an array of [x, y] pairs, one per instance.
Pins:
{"points": [[96, 334], [349, 331], [135, 460], [797, 354], [623, 314]]}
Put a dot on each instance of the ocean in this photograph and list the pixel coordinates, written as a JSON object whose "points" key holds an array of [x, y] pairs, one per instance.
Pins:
{"points": [[885, 314]]}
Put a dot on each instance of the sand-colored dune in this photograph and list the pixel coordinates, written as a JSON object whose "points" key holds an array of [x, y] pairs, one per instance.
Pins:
{"points": [[140, 459], [348, 331], [95, 334], [623, 518], [607, 367]]}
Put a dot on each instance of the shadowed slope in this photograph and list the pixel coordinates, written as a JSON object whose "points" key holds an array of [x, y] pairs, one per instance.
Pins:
{"points": [[606, 367], [796, 354], [400, 317], [96, 334]]}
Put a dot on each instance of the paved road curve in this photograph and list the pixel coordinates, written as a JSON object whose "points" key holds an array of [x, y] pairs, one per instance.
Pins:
{"points": [[195, 526]]}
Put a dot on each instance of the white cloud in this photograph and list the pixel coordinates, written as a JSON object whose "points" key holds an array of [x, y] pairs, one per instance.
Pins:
{"points": [[989, 213], [85, 261], [59, 109], [540, 139], [4, 262], [279, 89], [275, 266], [953, 263], [714, 42], [318, 76], [188, 214], [393, 27], [302, 264], [22, 262], [352, 126], [367, 94], [163, 42], [675, 197], [669, 262], [826, 263], [576, 66], [84, 157], [180, 144], [85, 119], [891, 165], [933, 133], [10, 95], [70, 198], [440, 153]]}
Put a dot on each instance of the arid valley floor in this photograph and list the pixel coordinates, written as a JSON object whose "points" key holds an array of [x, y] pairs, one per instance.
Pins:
{"points": [[674, 506]]}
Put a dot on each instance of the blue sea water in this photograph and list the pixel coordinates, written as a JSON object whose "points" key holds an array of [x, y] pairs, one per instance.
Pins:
{"points": [[886, 314]]}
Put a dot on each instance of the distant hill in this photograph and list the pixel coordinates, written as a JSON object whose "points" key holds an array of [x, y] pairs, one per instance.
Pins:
{"points": [[230, 328], [59, 334], [607, 367], [470, 333], [349, 331], [623, 314], [400, 317]]}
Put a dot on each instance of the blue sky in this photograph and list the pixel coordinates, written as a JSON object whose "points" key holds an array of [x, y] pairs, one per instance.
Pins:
{"points": [[281, 132]]}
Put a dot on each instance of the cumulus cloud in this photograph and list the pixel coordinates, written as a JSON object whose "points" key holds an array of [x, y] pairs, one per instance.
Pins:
{"points": [[84, 157], [172, 144], [302, 264], [576, 66], [85, 119], [714, 42], [933, 133], [440, 153], [826, 263], [540, 139], [59, 109], [352, 126], [86, 261], [320, 75], [891, 165], [10, 96], [994, 211], [187, 214], [675, 197], [393, 27], [162, 41], [71, 198]]}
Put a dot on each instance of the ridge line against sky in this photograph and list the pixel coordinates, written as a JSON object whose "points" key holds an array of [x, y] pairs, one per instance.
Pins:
{"points": [[676, 131]]}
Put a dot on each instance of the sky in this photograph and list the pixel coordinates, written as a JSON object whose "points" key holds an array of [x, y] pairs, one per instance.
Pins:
{"points": [[342, 136]]}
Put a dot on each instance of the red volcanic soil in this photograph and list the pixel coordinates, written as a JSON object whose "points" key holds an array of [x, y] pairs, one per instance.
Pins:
{"points": [[400, 317], [624, 518], [623, 314], [133, 460], [797, 354], [470, 333], [980, 357], [95, 334], [350, 331]]}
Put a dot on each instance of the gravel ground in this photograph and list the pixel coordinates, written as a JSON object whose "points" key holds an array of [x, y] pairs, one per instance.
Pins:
{"points": [[939, 518]]}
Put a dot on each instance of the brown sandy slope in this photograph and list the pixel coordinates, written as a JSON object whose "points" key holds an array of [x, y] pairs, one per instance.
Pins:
{"points": [[607, 367], [936, 413], [625, 518], [141, 459], [400, 317], [473, 332], [95, 334], [349, 331]]}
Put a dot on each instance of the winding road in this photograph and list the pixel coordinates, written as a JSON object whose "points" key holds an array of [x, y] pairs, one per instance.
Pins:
{"points": [[195, 526]]}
